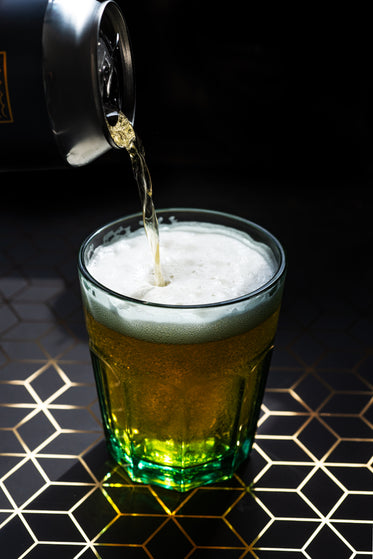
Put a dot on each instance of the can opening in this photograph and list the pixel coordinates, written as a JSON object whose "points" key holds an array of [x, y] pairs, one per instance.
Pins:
{"points": [[114, 68]]}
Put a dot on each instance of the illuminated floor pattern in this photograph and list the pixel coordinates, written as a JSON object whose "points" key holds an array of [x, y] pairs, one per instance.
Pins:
{"points": [[307, 489]]}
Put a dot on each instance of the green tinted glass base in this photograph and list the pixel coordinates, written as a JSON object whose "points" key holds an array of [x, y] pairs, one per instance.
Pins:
{"points": [[179, 478], [203, 441]]}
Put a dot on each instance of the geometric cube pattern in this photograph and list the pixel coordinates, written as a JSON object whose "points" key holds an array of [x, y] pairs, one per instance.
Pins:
{"points": [[307, 488]]}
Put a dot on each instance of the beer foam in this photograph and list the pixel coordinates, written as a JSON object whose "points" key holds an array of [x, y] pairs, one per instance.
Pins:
{"points": [[203, 263]]}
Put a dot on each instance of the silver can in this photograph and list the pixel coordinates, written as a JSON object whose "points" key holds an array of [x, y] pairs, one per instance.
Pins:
{"points": [[66, 71]]}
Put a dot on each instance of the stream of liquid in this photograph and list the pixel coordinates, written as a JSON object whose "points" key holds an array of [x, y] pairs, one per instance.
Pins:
{"points": [[124, 135]]}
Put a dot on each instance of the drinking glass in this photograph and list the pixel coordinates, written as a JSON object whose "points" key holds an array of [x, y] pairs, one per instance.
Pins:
{"points": [[180, 386]]}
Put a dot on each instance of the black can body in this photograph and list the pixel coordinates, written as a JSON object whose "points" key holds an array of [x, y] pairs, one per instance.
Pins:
{"points": [[26, 138]]}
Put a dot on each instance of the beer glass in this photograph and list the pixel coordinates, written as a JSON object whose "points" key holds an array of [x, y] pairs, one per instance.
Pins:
{"points": [[180, 386]]}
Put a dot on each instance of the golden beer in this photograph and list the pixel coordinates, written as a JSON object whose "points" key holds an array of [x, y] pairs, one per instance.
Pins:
{"points": [[180, 400]]}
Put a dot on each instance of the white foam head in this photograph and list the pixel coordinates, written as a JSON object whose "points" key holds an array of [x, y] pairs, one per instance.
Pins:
{"points": [[204, 264]]}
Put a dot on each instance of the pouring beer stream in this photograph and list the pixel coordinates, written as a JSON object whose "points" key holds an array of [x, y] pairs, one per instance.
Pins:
{"points": [[124, 135]]}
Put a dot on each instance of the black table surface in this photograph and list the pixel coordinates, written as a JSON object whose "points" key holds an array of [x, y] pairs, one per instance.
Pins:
{"points": [[306, 490]]}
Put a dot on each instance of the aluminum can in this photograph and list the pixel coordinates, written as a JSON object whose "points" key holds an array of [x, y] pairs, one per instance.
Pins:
{"points": [[65, 72]]}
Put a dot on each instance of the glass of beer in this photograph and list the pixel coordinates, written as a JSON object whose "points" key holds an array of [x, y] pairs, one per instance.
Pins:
{"points": [[181, 369]]}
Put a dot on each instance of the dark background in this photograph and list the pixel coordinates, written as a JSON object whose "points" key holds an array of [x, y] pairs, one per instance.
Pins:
{"points": [[218, 85]]}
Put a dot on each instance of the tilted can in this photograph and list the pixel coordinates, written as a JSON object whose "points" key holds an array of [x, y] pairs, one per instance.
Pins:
{"points": [[66, 71]]}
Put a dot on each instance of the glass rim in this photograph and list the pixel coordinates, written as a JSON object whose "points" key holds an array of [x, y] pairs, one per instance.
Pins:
{"points": [[279, 273]]}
